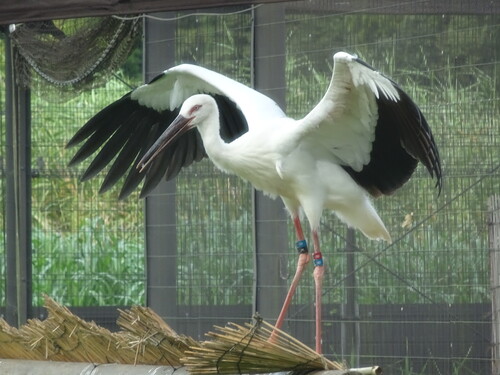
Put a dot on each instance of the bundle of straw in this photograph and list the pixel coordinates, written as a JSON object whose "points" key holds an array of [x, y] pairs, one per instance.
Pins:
{"points": [[65, 337], [151, 339], [248, 349], [10, 343], [61, 337], [146, 339]]}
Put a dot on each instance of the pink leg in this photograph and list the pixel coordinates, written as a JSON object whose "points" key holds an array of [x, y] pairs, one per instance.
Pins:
{"points": [[319, 272], [302, 262]]}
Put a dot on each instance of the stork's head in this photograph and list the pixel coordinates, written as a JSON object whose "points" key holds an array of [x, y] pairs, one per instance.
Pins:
{"points": [[194, 112], [196, 109]]}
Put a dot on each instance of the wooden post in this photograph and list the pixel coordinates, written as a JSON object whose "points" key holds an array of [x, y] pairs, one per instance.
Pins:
{"points": [[494, 241]]}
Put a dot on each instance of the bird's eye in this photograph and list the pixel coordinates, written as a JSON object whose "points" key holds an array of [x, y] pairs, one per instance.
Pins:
{"points": [[194, 109]]}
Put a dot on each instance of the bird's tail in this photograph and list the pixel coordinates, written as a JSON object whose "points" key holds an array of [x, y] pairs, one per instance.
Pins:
{"points": [[364, 217]]}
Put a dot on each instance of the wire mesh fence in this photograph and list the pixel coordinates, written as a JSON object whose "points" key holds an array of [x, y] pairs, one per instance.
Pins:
{"points": [[215, 262], [87, 249], [418, 305]]}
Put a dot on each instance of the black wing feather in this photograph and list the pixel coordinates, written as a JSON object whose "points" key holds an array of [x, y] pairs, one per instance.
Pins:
{"points": [[127, 155], [168, 164], [232, 122], [94, 141], [94, 124], [402, 138], [134, 176], [111, 147]]}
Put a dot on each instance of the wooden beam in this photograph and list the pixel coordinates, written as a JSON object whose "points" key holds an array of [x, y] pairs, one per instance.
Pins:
{"points": [[29, 11], [396, 7]]}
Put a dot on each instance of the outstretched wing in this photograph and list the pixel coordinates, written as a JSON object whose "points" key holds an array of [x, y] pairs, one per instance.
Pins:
{"points": [[121, 133], [371, 127]]}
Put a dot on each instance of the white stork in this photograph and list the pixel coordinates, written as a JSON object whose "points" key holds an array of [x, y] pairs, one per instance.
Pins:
{"points": [[362, 140]]}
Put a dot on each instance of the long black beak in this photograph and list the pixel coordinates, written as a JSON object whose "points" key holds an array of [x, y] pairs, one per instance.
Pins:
{"points": [[178, 127]]}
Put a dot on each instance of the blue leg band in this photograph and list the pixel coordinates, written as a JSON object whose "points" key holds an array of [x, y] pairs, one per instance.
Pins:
{"points": [[318, 259], [301, 247]]}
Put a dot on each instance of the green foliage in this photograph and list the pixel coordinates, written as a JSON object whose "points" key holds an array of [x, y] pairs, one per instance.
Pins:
{"points": [[103, 268], [219, 43], [132, 69], [63, 206]]}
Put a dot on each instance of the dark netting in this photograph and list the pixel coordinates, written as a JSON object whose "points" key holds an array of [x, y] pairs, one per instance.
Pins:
{"points": [[73, 54]]}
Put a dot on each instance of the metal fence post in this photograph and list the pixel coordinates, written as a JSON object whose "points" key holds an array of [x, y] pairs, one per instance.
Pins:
{"points": [[18, 196], [270, 219], [160, 211], [350, 329]]}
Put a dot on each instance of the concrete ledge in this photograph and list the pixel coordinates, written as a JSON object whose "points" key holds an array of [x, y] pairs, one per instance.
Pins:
{"points": [[26, 367]]}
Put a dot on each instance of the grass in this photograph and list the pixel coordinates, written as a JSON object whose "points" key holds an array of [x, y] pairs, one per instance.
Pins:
{"points": [[102, 268]]}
